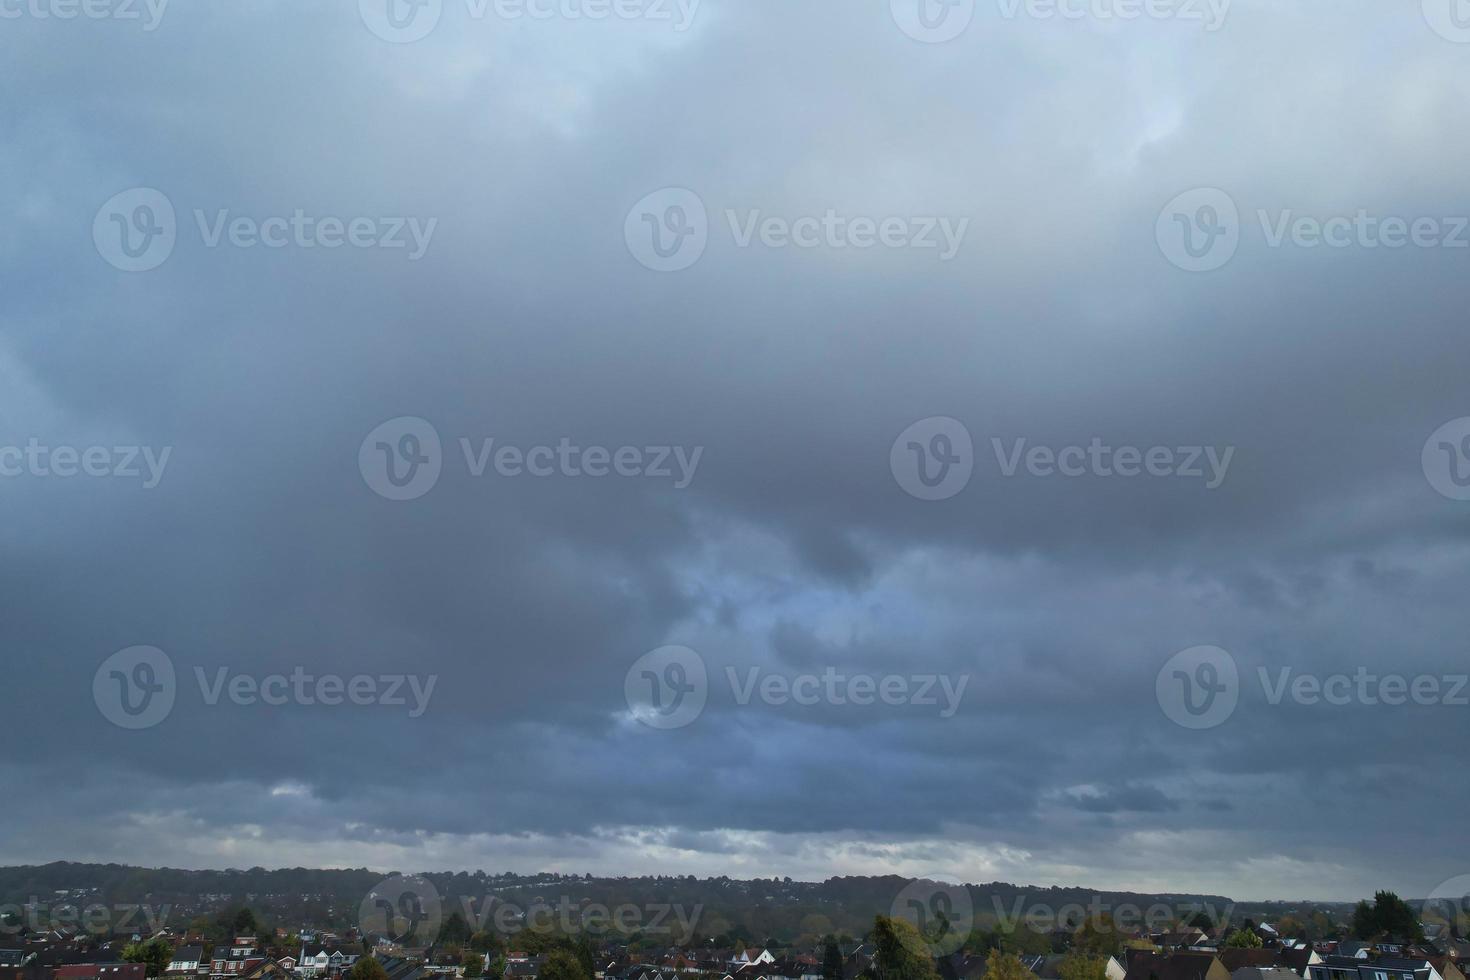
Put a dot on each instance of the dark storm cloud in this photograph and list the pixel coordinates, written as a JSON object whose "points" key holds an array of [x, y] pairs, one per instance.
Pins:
{"points": [[793, 550]]}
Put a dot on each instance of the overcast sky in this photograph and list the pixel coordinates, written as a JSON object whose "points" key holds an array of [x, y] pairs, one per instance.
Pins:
{"points": [[793, 541]]}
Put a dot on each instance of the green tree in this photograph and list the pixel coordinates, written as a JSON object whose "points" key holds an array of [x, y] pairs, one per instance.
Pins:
{"points": [[496, 969], [561, 964], [1022, 940], [455, 931], [1290, 927], [245, 923], [1388, 916], [1244, 939], [831, 960], [1097, 937], [156, 953], [902, 953], [1077, 967], [367, 968], [473, 962], [1004, 966]]}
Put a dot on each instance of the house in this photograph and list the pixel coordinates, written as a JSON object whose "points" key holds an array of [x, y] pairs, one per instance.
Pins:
{"points": [[1264, 973], [186, 959], [1383, 968], [1183, 939], [266, 970], [401, 969], [101, 971], [325, 961], [1296, 959], [526, 969], [751, 957], [1176, 966], [1049, 967], [235, 958]]}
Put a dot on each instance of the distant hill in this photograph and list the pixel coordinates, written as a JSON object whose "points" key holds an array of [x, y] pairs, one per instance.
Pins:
{"points": [[757, 909]]}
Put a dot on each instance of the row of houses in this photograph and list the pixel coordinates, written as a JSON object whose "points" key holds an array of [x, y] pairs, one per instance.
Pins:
{"points": [[243, 954]]}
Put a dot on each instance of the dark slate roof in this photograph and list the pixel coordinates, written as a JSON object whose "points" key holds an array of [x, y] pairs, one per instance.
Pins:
{"points": [[1175, 966]]}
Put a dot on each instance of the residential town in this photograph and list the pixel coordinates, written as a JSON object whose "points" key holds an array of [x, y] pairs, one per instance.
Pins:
{"points": [[1398, 946]]}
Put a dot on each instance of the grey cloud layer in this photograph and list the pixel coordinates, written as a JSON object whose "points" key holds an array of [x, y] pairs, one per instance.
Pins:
{"points": [[528, 321]]}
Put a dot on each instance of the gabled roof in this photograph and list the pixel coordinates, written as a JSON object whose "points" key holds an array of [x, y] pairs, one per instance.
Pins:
{"points": [[1174, 966], [1240, 958]]}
